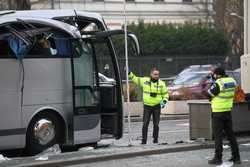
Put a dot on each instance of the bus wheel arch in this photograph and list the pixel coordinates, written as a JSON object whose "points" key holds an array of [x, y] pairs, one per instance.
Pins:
{"points": [[45, 129]]}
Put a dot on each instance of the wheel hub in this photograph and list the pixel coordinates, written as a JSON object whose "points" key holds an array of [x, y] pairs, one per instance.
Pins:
{"points": [[44, 131]]}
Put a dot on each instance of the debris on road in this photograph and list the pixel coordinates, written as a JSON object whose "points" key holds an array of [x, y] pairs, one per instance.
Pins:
{"points": [[54, 150], [2, 158]]}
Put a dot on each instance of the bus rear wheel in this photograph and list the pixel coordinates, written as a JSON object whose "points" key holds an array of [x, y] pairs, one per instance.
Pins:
{"points": [[43, 132]]}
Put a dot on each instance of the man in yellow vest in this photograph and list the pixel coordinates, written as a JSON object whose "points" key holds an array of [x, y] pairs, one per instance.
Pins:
{"points": [[221, 95], [155, 97]]}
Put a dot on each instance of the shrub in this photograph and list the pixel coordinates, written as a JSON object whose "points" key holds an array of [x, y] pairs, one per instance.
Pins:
{"points": [[170, 39]]}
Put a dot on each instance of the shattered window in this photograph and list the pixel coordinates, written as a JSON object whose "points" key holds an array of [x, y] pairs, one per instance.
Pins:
{"points": [[25, 40], [52, 44], [5, 50]]}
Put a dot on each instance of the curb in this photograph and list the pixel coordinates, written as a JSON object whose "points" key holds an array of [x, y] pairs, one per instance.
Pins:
{"points": [[125, 155], [91, 159]]}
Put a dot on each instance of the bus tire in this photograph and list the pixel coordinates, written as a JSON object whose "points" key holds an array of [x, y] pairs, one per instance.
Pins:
{"points": [[43, 132]]}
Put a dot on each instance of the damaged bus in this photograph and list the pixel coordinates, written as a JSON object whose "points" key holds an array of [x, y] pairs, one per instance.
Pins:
{"points": [[49, 85]]}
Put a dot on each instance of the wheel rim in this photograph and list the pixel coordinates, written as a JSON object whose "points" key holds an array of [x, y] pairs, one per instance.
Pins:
{"points": [[44, 131]]}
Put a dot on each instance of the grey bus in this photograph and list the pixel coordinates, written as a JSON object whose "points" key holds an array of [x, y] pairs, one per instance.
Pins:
{"points": [[50, 91]]}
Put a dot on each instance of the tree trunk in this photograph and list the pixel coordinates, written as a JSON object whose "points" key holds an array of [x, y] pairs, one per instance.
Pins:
{"points": [[231, 25]]}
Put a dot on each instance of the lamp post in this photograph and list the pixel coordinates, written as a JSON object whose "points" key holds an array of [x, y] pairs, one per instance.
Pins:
{"points": [[126, 64]]}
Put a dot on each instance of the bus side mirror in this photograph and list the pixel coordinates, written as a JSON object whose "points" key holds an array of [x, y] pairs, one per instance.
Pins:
{"points": [[110, 33], [136, 45]]}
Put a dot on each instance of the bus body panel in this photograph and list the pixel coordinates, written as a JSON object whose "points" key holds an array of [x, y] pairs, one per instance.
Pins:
{"points": [[87, 128], [47, 81], [10, 102], [12, 142]]}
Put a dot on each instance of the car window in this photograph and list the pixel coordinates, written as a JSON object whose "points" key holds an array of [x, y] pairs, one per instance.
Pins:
{"points": [[235, 75], [189, 78], [198, 68]]}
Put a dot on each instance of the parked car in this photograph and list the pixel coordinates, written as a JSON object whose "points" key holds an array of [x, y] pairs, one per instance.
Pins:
{"points": [[192, 68], [197, 68], [193, 84]]}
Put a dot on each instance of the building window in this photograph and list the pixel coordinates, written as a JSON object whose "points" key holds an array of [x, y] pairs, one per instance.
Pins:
{"points": [[187, 0], [158, 0], [130, 0]]}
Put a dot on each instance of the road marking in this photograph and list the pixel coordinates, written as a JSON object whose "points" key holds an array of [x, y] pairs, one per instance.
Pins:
{"points": [[184, 124], [246, 144], [174, 131]]}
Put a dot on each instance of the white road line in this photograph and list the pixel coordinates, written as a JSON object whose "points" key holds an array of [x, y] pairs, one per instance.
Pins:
{"points": [[175, 131]]}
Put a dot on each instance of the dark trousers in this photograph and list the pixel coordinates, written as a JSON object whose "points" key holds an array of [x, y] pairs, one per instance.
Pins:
{"points": [[148, 111], [222, 123]]}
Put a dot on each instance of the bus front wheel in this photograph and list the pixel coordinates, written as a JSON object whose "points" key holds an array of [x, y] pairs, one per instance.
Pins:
{"points": [[43, 132]]}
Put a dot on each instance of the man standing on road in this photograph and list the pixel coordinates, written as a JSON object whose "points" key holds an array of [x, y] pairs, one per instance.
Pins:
{"points": [[155, 96], [221, 95]]}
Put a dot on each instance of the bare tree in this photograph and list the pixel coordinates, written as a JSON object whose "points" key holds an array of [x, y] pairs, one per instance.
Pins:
{"points": [[15, 4], [232, 26]]}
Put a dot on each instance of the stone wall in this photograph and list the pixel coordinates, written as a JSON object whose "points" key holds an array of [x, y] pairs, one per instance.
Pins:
{"points": [[245, 59], [246, 27]]}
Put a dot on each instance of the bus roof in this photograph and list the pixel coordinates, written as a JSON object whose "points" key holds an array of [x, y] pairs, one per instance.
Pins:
{"points": [[50, 14], [48, 17]]}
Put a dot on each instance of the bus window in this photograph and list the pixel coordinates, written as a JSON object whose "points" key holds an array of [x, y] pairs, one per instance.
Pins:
{"points": [[51, 45], [104, 60], [84, 74], [5, 51]]}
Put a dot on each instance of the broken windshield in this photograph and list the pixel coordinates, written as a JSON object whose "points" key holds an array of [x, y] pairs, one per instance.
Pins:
{"points": [[21, 39]]}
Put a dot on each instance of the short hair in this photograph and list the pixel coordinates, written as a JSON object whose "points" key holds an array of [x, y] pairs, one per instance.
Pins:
{"points": [[219, 71], [153, 69]]}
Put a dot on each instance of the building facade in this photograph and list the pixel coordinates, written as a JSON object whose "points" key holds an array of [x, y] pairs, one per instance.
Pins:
{"points": [[245, 59], [150, 11], [247, 27]]}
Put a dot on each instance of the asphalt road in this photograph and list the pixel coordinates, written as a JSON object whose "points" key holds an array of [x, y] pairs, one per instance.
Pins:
{"points": [[170, 131], [197, 158]]}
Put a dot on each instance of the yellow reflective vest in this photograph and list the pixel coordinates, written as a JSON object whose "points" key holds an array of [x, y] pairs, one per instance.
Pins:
{"points": [[223, 102], [159, 88]]}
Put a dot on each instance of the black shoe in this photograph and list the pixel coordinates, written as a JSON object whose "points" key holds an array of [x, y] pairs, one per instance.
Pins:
{"points": [[155, 141], [143, 142], [215, 161], [235, 160]]}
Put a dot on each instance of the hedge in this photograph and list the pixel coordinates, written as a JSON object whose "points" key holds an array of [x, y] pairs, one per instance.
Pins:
{"points": [[169, 39]]}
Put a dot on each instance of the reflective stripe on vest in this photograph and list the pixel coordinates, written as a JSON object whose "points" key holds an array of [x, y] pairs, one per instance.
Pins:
{"points": [[224, 100]]}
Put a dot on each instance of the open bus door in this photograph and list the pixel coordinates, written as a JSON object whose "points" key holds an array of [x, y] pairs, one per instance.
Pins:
{"points": [[111, 101], [97, 106], [86, 96]]}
